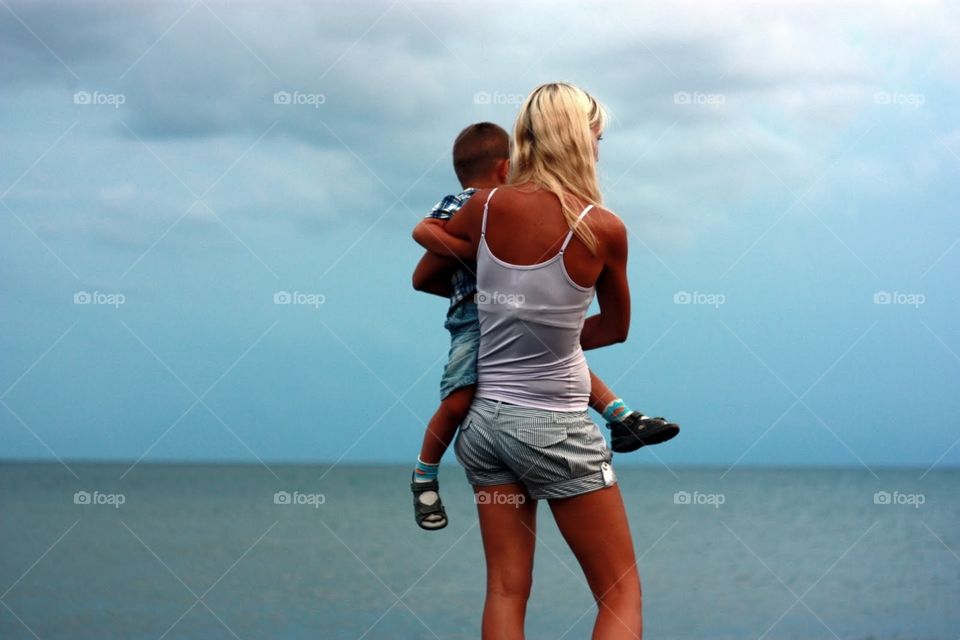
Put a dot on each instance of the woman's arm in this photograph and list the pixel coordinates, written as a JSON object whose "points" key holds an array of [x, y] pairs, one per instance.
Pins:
{"points": [[465, 225], [432, 274], [432, 235], [612, 324]]}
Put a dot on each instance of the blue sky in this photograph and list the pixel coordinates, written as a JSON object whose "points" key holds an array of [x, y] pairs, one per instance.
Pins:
{"points": [[785, 169]]}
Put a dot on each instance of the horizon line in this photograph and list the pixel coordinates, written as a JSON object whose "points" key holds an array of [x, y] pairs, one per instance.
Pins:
{"points": [[384, 463]]}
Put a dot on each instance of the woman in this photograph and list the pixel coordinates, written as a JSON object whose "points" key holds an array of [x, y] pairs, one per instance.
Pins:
{"points": [[544, 246]]}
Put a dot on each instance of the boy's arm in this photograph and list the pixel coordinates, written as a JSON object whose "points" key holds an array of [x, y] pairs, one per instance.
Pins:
{"points": [[433, 274], [612, 324], [431, 234]]}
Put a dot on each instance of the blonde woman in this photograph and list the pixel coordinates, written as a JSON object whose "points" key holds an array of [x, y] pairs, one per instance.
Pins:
{"points": [[544, 246]]}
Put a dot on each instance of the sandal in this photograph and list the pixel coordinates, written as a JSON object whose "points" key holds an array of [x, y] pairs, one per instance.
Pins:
{"points": [[637, 431], [422, 511]]}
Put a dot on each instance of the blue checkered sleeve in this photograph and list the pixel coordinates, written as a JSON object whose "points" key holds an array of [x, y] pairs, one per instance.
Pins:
{"points": [[463, 282], [445, 209]]}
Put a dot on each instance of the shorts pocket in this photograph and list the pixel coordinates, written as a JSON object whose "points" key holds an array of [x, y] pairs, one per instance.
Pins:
{"points": [[542, 436]]}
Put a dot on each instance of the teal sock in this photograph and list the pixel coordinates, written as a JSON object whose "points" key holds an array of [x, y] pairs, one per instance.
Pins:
{"points": [[616, 411], [425, 472]]}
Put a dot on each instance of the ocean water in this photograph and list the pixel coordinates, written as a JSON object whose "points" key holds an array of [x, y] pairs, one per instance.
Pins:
{"points": [[214, 551]]}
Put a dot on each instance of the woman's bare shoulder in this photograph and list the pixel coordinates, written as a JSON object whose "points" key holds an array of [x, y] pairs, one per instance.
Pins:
{"points": [[609, 229], [606, 222]]}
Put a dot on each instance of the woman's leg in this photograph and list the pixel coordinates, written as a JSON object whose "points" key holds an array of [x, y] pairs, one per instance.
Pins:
{"points": [[508, 521], [595, 526]]}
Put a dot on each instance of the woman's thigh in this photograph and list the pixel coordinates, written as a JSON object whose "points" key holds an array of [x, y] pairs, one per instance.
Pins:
{"points": [[595, 526], [508, 524]]}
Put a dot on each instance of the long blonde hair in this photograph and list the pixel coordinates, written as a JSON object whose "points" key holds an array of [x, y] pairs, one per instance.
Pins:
{"points": [[553, 147]]}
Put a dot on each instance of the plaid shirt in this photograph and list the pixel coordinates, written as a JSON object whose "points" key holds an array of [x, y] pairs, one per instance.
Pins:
{"points": [[463, 281]]}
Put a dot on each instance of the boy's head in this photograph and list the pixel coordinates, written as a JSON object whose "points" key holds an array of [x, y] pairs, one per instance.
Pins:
{"points": [[481, 155]]}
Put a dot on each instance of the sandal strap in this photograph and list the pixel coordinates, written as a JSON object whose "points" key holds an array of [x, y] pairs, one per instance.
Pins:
{"points": [[430, 509], [420, 487]]}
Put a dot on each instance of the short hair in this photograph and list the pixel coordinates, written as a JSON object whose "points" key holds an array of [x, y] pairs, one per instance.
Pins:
{"points": [[477, 149]]}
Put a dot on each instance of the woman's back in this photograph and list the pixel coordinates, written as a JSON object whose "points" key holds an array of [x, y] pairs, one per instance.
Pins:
{"points": [[527, 227], [535, 283]]}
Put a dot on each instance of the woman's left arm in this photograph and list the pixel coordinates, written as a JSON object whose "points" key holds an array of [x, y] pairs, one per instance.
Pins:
{"points": [[612, 324]]}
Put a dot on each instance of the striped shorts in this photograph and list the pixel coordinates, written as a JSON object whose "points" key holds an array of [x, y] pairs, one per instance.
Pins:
{"points": [[554, 454]]}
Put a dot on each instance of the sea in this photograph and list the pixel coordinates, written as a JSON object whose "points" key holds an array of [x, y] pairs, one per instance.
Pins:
{"points": [[208, 551]]}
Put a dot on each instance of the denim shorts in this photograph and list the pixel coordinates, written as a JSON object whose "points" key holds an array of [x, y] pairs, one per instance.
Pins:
{"points": [[554, 454], [463, 323]]}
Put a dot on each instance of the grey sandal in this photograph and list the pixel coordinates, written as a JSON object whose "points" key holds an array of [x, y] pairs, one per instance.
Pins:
{"points": [[422, 511]]}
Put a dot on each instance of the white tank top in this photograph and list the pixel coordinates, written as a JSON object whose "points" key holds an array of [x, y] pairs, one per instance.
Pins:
{"points": [[530, 322]]}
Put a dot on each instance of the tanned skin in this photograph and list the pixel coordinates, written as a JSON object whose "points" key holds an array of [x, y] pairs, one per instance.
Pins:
{"points": [[594, 524]]}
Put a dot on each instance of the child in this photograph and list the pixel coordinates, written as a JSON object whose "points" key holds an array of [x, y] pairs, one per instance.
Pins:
{"points": [[481, 158]]}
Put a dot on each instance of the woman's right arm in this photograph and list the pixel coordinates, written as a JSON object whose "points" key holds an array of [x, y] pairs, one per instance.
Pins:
{"points": [[432, 235], [465, 225], [612, 324]]}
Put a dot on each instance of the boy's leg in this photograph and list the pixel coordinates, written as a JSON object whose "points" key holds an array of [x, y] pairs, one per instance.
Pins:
{"points": [[605, 402], [443, 425], [629, 429], [440, 431], [600, 394], [457, 389]]}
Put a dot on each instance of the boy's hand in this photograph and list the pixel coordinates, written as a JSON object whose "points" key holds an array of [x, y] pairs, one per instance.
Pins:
{"points": [[431, 234]]}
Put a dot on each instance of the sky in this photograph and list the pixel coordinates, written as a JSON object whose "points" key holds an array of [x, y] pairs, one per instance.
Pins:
{"points": [[171, 171]]}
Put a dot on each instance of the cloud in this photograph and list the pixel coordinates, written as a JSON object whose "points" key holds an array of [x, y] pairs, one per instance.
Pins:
{"points": [[392, 83]]}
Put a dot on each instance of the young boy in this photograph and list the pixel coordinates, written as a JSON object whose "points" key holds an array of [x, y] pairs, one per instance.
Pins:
{"points": [[481, 159]]}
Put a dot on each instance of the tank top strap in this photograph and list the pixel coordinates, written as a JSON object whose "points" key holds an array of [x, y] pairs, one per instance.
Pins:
{"points": [[569, 237], [483, 223]]}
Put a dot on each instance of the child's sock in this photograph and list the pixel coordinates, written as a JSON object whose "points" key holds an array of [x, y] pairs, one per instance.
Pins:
{"points": [[424, 471], [616, 411]]}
